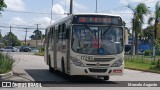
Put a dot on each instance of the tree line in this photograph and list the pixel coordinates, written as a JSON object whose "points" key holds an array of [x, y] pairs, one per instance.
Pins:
{"points": [[10, 39], [152, 32]]}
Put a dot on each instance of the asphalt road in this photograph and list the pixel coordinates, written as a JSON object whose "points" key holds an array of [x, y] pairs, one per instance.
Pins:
{"points": [[29, 67]]}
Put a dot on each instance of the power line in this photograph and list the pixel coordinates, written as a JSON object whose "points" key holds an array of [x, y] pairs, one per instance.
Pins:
{"points": [[127, 5], [65, 5], [120, 13], [21, 27], [51, 12], [150, 1], [30, 12], [144, 1], [114, 8], [96, 7]]}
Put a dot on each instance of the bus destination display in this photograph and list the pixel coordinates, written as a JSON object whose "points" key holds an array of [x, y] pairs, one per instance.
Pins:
{"points": [[97, 20]]}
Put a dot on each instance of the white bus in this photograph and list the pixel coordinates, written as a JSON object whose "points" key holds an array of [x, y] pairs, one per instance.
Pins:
{"points": [[86, 44]]}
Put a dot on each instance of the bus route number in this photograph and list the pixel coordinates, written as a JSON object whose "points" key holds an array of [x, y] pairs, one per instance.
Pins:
{"points": [[87, 58]]}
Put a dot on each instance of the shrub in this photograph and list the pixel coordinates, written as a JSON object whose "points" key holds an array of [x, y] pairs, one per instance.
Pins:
{"points": [[39, 54], [6, 63], [42, 49], [158, 64], [147, 52]]}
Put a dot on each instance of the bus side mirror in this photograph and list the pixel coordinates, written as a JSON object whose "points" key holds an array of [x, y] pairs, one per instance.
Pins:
{"points": [[67, 33]]}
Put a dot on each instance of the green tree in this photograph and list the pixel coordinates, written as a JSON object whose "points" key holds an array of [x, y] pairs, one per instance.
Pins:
{"points": [[37, 35], [129, 34], [11, 40], [149, 32], [157, 42], [1, 36], [2, 5], [140, 10], [156, 24]]}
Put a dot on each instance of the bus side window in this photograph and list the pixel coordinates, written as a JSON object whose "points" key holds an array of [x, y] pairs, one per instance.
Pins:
{"points": [[46, 36], [64, 31], [59, 32], [52, 34], [49, 35], [67, 32]]}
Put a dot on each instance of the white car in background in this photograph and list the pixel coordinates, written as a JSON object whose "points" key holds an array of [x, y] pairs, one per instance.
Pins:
{"points": [[34, 50], [9, 49]]}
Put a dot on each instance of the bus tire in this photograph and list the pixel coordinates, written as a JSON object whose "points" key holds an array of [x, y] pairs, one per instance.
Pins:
{"points": [[106, 77], [62, 65], [50, 67]]}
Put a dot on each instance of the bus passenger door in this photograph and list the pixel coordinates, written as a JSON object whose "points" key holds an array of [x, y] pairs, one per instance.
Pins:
{"points": [[68, 49], [55, 48], [65, 48]]}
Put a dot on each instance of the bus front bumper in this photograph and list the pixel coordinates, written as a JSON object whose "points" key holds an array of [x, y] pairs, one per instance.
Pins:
{"points": [[96, 71]]}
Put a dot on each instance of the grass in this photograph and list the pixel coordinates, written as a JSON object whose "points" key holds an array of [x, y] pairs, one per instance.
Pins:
{"points": [[6, 63], [143, 64], [40, 53]]}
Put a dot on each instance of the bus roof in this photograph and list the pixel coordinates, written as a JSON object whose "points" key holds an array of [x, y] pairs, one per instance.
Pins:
{"points": [[96, 14], [67, 17]]}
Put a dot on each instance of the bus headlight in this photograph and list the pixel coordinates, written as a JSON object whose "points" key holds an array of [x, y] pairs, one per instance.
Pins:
{"points": [[76, 62], [117, 63]]}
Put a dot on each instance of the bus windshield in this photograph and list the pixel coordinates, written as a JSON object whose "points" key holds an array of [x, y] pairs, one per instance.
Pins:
{"points": [[97, 40]]}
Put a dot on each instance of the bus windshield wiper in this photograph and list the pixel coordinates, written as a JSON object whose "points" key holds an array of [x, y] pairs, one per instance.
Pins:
{"points": [[107, 29], [87, 26]]}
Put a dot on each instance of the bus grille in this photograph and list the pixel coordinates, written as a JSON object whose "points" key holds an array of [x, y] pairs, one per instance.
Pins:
{"points": [[97, 70], [103, 59], [96, 64]]}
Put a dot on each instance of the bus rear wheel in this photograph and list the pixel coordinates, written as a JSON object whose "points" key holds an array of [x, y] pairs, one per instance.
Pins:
{"points": [[50, 67], [62, 65], [106, 77]]}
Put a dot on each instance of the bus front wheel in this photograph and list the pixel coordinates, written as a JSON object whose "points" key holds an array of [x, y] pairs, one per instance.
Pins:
{"points": [[106, 77]]}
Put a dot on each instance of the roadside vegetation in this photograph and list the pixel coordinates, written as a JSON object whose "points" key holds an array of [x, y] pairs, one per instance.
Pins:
{"points": [[41, 53], [142, 63], [6, 63]]}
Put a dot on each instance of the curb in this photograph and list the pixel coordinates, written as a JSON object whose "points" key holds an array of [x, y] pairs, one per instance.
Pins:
{"points": [[143, 70], [6, 75]]}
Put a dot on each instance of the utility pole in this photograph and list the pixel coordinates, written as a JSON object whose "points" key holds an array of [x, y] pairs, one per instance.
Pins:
{"points": [[71, 7], [51, 12], [37, 36], [133, 30], [96, 7], [10, 36], [133, 35], [26, 35]]}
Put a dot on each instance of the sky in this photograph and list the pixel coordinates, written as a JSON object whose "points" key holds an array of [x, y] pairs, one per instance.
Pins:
{"points": [[28, 13]]}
